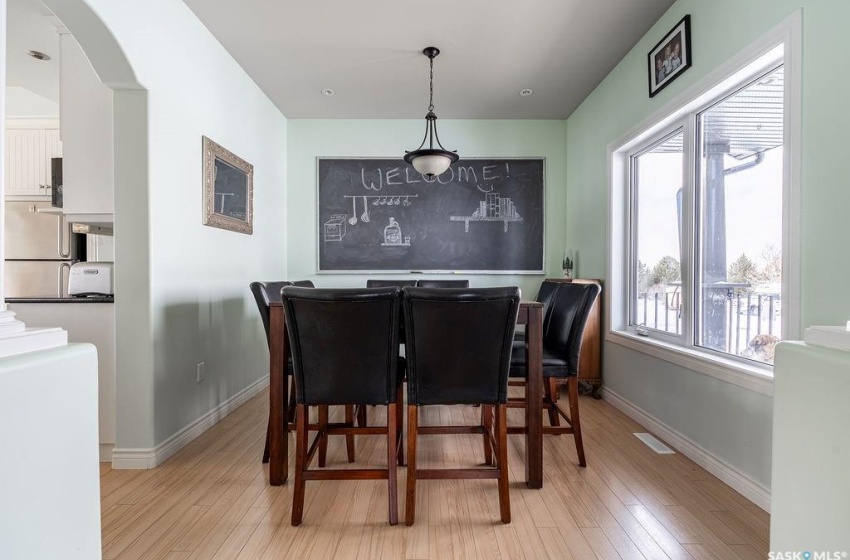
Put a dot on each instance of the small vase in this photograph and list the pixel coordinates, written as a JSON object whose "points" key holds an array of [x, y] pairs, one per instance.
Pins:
{"points": [[568, 273]]}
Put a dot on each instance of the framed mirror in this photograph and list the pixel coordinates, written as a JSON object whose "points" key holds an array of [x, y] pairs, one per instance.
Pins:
{"points": [[228, 189]]}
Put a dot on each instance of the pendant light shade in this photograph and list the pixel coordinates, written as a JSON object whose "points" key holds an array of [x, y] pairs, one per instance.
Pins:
{"points": [[433, 160]]}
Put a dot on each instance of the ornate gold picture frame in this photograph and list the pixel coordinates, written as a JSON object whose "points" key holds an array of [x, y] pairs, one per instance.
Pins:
{"points": [[228, 189]]}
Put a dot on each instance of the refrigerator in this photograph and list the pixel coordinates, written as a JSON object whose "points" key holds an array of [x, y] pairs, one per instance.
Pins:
{"points": [[40, 250]]}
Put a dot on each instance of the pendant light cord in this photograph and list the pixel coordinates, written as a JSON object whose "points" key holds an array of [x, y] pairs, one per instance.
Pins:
{"points": [[431, 100]]}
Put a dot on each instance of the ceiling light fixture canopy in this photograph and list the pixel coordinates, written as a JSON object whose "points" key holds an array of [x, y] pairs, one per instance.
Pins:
{"points": [[431, 161]]}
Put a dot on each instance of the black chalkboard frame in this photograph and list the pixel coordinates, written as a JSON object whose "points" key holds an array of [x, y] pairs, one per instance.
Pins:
{"points": [[335, 271]]}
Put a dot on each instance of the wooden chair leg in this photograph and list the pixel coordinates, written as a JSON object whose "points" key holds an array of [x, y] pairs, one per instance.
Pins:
{"points": [[392, 458], [290, 418], [323, 434], [399, 400], [301, 432], [572, 393], [412, 429], [550, 388], [361, 416], [502, 450], [349, 438], [487, 423], [268, 433]]}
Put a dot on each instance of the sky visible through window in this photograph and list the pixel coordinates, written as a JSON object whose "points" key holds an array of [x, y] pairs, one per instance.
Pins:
{"points": [[753, 207]]}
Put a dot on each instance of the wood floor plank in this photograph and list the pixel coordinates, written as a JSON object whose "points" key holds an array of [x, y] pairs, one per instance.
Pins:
{"points": [[212, 500], [602, 547]]}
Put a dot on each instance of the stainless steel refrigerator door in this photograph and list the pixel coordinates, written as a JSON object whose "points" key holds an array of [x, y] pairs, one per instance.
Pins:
{"points": [[37, 278], [32, 235]]}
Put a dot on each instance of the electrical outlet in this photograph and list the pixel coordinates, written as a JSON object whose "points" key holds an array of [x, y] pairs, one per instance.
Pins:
{"points": [[201, 374]]}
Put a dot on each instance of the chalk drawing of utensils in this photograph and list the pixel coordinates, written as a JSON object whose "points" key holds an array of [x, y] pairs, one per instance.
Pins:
{"points": [[365, 216], [353, 219]]}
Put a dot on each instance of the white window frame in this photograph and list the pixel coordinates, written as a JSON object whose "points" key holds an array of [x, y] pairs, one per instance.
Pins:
{"points": [[679, 113]]}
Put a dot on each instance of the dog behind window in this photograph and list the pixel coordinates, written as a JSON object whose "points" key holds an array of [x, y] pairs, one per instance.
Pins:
{"points": [[761, 348]]}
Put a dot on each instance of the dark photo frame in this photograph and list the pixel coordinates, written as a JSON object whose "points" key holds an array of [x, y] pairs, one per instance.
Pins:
{"points": [[228, 189], [670, 57]]}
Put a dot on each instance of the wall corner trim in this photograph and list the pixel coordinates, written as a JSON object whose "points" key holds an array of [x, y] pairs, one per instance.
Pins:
{"points": [[734, 478], [149, 458]]}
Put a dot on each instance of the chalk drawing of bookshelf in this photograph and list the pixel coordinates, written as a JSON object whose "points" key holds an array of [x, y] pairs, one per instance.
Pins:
{"points": [[493, 208]]}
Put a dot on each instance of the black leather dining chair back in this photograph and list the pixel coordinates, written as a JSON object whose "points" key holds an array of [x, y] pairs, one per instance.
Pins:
{"points": [[442, 283], [389, 283], [344, 344], [568, 313], [545, 294], [264, 294], [267, 292], [459, 344]]}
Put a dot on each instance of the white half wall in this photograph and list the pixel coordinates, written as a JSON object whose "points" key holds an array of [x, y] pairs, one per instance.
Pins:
{"points": [[49, 472]]}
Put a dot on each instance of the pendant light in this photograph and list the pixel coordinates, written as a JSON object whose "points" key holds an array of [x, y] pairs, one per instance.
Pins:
{"points": [[431, 161]]}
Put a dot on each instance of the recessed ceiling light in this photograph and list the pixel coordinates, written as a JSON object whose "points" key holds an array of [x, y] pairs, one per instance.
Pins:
{"points": [[38, 55], [526, 92], [328, 92]]}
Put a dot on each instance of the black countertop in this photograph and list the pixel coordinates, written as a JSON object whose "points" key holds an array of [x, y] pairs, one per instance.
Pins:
{"points": [[87, 299]]}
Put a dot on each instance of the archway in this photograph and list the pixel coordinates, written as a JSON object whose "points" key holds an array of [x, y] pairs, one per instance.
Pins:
{"points": [[134, 395]]}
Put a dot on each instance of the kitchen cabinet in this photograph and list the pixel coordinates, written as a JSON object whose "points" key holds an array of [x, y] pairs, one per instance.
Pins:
{"points": [[85, 322], [30, 145], [85, 112]]}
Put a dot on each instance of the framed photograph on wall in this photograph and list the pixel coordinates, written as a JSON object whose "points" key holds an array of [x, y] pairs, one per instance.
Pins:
{"points": [[228, 189], [670, 57]]}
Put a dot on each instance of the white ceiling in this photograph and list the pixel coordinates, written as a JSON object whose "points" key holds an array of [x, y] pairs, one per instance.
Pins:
{"points": [[369, 52], [31, 26]]}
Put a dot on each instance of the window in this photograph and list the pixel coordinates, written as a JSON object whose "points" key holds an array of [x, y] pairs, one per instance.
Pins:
{"points": [[700, 221]]}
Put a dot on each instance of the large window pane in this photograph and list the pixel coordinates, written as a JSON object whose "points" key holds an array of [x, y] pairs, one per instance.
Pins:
{"points": [[740, 221], [656, 292]]}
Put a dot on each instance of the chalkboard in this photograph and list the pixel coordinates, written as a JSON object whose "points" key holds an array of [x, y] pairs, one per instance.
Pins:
{"points": [[481, 215]]}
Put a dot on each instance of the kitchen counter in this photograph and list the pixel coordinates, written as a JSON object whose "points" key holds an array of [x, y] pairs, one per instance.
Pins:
{"points": [[91, 299]]}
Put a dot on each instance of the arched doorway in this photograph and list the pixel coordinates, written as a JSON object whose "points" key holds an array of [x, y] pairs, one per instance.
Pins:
{"points": [[134, 401]]}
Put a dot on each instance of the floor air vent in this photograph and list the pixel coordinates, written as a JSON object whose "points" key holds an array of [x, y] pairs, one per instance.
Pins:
{"points": [[654, 443]]}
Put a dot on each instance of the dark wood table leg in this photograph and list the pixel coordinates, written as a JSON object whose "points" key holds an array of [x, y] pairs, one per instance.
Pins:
{"points": [[534, 399], [278, 398]]}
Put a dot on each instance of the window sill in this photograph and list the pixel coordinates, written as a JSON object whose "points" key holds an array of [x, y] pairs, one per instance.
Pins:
{"points": [[749, 377]]}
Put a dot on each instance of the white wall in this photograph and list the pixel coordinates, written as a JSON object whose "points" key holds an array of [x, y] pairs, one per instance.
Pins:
{"points": [[181, 288], [309, 139], [49, 481], [22, 103], [729, 422]]}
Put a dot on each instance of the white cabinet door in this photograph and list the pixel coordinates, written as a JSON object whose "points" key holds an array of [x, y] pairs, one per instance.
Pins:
{"points": [[28, 153]]}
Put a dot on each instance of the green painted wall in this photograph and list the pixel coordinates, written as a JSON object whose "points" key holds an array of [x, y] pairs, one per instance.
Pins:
{"points": [[715, 415], [309, 139]]}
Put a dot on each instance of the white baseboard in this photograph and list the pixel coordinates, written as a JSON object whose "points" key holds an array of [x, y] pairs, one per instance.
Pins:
{"points": [[151, 457], [737, 480], [106, 452]]}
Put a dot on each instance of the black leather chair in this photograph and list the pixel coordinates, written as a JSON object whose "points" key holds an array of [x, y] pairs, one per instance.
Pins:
{"points": [[458, 352], [563, 326], [378, 283], [442, 283], [345, 351], [265, 293]]}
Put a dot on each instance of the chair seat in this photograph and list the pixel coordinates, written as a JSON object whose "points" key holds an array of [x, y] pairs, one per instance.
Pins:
{"points": [[553, 365]]}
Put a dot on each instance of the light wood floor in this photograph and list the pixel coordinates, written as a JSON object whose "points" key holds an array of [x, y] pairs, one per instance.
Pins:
{"points": [[212, 500]]}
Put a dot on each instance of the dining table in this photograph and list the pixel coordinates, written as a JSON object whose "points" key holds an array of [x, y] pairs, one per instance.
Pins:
{"points": [[530, 315]]}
